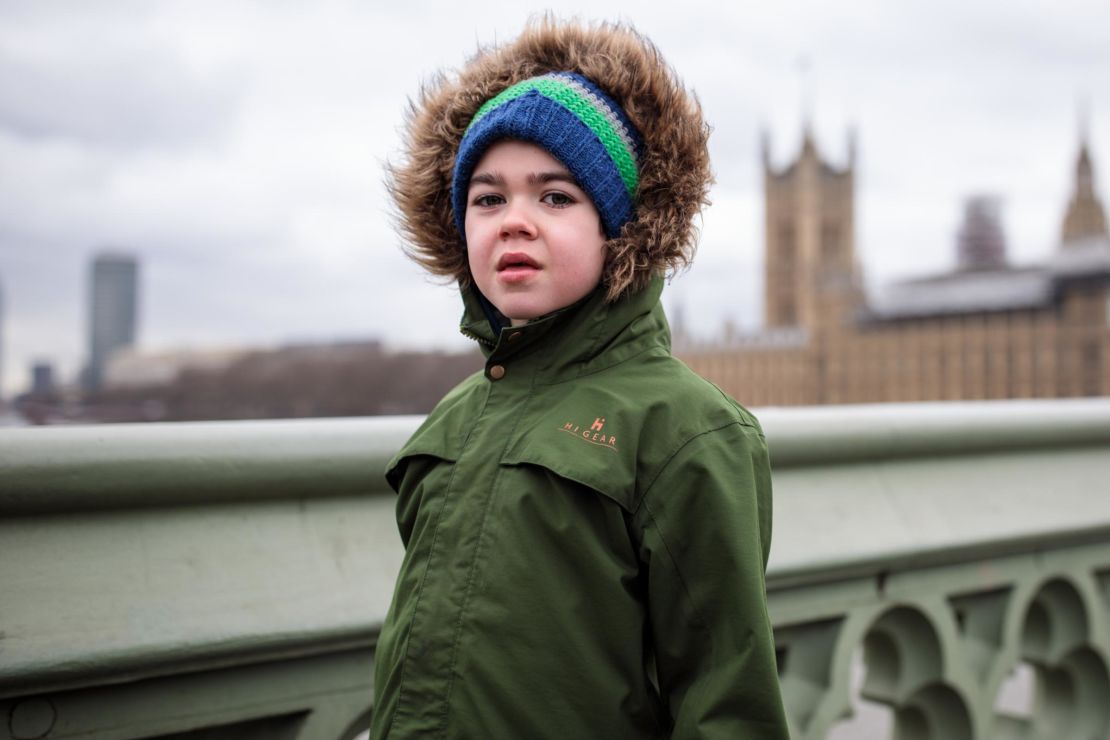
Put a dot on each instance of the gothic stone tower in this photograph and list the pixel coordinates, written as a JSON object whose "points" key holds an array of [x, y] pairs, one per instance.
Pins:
{"points": [[812, 276]]}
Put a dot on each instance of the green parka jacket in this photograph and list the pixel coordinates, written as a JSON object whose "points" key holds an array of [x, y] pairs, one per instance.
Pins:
{"points": [[586, 525]]}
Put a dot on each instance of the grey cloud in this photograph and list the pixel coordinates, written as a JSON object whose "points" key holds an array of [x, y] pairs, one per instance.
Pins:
{"points": [[124, 100]]}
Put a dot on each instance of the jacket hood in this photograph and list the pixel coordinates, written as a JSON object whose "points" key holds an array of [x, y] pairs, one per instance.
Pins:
{"points": [[674, 162]]}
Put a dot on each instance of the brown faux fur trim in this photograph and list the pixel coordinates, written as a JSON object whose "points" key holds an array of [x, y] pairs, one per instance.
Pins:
{"points": [[674, 167]]}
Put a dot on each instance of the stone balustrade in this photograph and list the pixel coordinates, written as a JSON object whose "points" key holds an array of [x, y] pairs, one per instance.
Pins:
{"points": [[938, 571]]}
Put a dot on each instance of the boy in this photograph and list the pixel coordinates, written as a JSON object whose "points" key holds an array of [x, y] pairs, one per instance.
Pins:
{"points": [[586, 522]]}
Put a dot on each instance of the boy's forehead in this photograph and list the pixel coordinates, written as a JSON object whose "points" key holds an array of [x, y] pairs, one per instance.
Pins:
{"points": [[511, 159], [513, 154]]}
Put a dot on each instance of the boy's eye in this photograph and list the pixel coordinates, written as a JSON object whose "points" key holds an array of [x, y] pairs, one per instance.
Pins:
{"points": [[557, 199], [487, 200]]}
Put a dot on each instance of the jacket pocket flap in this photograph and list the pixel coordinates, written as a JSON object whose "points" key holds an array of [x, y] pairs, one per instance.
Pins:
{"points": [[434, 438], [585, 456]]}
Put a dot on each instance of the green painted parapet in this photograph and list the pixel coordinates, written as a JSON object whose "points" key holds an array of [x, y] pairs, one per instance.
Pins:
{"points": [[943, 571], [938, 571], [157, 580]]}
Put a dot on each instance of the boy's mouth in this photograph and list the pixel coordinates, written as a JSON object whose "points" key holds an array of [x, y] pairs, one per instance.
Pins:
{"points": [[516, 266]]}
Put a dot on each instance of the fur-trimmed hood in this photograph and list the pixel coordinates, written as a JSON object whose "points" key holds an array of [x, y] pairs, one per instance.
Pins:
{"points": [[674, 165]]}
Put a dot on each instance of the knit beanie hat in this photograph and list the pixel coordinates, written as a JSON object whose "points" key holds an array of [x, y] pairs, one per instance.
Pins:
{"points": [[577, 123]]}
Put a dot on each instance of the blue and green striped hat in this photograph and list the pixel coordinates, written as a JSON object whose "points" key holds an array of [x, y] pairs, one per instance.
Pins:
{"points": [[577, 123]]}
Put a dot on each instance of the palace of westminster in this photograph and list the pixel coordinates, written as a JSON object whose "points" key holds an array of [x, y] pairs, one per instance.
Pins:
{"points": [[986, 330]]}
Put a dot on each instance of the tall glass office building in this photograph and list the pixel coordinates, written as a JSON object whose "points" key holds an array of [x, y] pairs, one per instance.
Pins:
{"points": [[113, 311]]}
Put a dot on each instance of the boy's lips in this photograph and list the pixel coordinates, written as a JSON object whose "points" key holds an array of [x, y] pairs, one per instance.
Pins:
{"points": [[516, 266], [516, 259]]}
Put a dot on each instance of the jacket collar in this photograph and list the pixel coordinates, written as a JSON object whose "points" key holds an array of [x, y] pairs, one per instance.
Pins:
{"points": [[577, 340]]}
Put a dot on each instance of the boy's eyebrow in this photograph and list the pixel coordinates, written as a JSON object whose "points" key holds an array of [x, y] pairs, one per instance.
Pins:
{"points": [[487, 178], [556, 176], [496, 179]]}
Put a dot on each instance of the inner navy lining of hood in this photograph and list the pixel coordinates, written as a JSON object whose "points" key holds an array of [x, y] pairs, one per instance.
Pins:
{"points": [[496, 319]]}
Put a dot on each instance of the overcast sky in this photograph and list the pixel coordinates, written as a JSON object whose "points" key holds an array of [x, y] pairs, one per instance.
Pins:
{"points": [[236, 148]]}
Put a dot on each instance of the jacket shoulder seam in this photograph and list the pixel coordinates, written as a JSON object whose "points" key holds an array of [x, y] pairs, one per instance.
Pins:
{"points": [[686, 443]]}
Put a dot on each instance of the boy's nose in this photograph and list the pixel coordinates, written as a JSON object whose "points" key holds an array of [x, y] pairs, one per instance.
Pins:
{"points": [[517, 222]]}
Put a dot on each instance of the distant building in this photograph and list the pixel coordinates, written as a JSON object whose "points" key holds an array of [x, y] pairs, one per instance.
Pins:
{"points": [[986, 330], [42, 380], [113, 312], [812, 278], [132, 368], [347, 378], [981, 243]]}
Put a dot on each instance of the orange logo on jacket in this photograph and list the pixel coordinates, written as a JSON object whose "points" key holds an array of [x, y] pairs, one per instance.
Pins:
{"points": [[594, 434]]}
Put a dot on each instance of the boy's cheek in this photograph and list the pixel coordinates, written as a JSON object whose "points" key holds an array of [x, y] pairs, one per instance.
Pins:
{"points": [[472, 259]]}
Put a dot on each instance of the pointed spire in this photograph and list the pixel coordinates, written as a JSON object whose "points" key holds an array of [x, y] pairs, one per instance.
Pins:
{"points": [[808, 146], [1084, 173], [1085, 216]]}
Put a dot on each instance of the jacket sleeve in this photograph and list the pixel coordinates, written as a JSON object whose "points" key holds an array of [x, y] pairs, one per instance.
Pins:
{"points": [[705, 533]]}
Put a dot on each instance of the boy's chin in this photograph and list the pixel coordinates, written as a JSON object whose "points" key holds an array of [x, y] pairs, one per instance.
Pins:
{"points": [[519, 313]]}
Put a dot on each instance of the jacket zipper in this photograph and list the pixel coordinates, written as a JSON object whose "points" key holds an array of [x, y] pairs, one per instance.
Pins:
{"points": [[471, 335]]}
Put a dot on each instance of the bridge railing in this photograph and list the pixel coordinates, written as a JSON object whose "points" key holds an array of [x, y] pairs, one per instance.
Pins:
{"points": [[937, 571]]}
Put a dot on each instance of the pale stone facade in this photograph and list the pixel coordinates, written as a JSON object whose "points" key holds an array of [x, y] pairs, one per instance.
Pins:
{"points": [[988, 331]]}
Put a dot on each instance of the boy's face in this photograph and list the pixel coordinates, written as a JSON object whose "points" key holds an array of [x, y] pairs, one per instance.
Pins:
{"points": [[534, 239]]}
